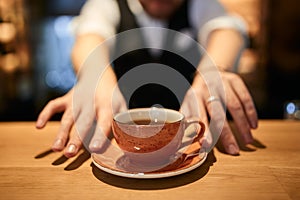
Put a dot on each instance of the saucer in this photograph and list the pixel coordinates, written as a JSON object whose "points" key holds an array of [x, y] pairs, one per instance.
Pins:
{"points": [[113, 161], [194, 163]]}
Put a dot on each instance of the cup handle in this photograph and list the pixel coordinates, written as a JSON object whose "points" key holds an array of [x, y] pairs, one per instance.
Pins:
{"points": [[188, 152], [199, 132]]}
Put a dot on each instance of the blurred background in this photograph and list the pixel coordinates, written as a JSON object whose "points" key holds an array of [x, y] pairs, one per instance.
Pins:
{"points": [[36, 41]]}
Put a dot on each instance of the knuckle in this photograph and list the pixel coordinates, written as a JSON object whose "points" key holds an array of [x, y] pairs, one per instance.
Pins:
{"points": [[52, 103], [245, 97], [219, 116], [234, 105], [226, 135], [252, 114], [233, 76], [66, 124]]}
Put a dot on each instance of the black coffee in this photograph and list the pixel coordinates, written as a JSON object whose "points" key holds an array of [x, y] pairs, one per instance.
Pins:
{"points": [[146, 122]]}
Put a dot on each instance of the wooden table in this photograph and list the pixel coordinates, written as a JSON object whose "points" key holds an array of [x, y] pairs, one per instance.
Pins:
{"points": [[270, 169]]}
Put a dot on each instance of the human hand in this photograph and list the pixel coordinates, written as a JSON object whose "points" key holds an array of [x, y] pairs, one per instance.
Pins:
{"points": [[90, 116], [212, 94]]}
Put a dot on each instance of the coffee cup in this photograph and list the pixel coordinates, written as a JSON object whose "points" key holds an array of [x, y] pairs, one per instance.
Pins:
{"points": [[152, 136]]}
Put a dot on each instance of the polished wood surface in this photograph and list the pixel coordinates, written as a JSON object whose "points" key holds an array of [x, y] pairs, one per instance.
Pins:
{"points": [[268, 169]]}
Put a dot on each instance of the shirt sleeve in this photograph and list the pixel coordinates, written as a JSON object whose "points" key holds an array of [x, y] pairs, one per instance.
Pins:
{"points": [[98, 16], [209, 15]]}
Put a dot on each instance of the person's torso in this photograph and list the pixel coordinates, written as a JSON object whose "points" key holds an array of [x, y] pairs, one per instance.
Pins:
{"points": [[159, 73]]}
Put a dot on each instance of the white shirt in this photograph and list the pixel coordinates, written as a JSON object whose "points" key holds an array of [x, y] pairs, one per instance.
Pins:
{"points": [[102, 17]]}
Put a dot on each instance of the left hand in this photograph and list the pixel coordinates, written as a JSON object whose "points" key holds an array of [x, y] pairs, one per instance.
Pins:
{"points": [[230, 91]]}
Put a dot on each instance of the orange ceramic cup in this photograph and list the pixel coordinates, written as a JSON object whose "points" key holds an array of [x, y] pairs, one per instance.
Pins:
{"points": [[152, 136]]}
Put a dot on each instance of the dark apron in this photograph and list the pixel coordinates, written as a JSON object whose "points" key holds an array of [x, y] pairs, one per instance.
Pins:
{"points": [[152, 93]]}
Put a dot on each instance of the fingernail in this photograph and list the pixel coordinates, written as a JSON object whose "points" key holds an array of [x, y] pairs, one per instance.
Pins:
{"points": [[233, 150], [58, 144], [71, 149], [39, 123], [253, 124], [248, 138], [96, 145]]}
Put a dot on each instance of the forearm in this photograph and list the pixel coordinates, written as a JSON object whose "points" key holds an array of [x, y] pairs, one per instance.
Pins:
{"points": [[224, 48], [83, 48], [90, 56]]}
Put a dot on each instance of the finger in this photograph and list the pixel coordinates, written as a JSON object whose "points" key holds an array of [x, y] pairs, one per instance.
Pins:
{"points": [[228, 140], [193, 106], [185, 106], [54, 106], [239, 116], [74, 145], [118, 101], [206, 141], [247, 102], [67, 122], [84, 129], [220, 129], [103, 130]]}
